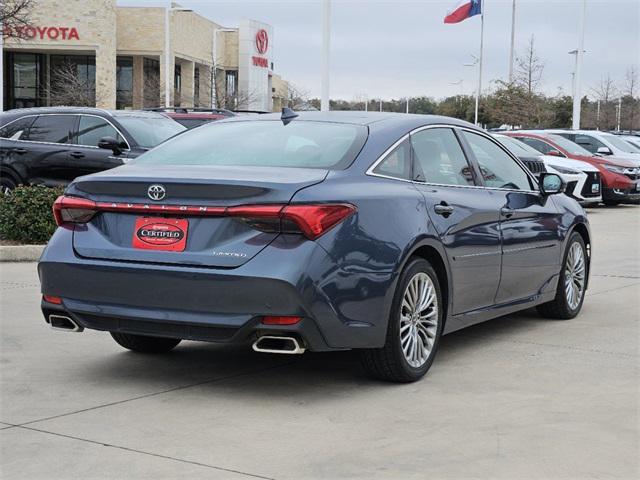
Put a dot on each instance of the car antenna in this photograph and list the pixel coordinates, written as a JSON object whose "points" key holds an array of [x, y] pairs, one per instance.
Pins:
{"points": [[287, 115]]}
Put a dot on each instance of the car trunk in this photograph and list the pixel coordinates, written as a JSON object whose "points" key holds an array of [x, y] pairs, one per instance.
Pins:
{"points": [[189, 225]]}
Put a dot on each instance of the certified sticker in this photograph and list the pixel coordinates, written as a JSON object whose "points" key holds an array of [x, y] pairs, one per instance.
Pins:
{"points": [[160, 234]]}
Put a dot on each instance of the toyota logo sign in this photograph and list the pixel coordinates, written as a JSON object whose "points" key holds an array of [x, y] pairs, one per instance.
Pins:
{"points": [[156, 192], [262, 41]]}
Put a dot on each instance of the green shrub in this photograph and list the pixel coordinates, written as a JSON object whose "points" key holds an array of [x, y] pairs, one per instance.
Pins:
{"points": [[26, 216]]}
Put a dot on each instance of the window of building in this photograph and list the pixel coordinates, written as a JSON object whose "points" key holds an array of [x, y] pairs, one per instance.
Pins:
{"points": [[151, 83], [438, 158], [52, 128], [23, 80], [177, 85], [72, 80], [396, 164], [124, 82], [498, 169], [231, 82], [196, 87], [91, 129]]}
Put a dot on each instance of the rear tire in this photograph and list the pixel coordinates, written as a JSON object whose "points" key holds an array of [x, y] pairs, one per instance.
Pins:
{"points": [[565, 306], [420, 327], [7, 184], [145, 344]]}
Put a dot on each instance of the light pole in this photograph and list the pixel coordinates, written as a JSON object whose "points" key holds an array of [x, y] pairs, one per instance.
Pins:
{"points": [[577, 91], [476, 61], [326, 46], [167, 49], [214, 67], [513, 39]]}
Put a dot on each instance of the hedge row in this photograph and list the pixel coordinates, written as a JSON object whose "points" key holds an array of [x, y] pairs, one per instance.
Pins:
{"points": [[26, 215]]}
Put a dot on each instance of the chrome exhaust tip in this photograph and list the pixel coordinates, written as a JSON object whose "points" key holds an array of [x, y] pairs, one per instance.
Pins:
{"points": [[64, 323], [278, 344]]}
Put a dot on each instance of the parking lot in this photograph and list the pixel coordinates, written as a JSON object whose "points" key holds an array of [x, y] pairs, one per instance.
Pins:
{"points": [[518, 397]]}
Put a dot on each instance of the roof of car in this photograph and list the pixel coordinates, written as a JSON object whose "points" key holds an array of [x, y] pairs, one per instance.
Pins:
{"points": [[362, 118], [92, 110]]}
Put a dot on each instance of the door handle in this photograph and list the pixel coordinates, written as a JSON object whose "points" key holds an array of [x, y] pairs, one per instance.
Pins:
{"points": [[21, 150], [506, 212], [443, 209], [77, 154]]}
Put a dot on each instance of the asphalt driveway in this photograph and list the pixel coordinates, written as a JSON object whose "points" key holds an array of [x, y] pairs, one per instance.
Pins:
{"points": [[517, 397]]}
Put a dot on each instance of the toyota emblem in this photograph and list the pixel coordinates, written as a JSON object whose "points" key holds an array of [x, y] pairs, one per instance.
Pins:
{"points": [[262, 41], [156, 192]]}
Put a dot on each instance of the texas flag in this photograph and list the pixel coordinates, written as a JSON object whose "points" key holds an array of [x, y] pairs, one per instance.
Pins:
{"points": [[463, 10]]}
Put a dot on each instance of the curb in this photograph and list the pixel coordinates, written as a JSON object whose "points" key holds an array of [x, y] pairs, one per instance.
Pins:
{"points": [[20, 253]]}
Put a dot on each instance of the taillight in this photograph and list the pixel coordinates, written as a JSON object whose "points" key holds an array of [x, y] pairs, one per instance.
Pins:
{"points": [[73, 210], [315, 220], [52, 299], [310, 220]]}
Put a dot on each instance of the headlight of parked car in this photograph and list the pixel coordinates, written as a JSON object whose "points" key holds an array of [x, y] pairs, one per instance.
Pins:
{"points": [[616, 169], [565, 170]]}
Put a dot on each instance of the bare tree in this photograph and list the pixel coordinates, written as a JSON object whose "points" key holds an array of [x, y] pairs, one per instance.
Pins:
{"points": [[297, 97], [629, 96], [605, 93], [529, 68], [151, 90], [67, 87], [14, 16]]}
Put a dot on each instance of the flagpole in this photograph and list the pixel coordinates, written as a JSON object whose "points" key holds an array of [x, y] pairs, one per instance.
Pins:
{"points": [[513, 40], [480, 62]]}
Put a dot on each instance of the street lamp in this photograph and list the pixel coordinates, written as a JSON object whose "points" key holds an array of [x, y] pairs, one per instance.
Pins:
{"points": [[167, 45]]}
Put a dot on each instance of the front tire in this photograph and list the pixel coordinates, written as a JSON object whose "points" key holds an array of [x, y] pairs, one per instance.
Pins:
{"points": [[7, 184], [414, 329], [571, 284], [145, 344]]}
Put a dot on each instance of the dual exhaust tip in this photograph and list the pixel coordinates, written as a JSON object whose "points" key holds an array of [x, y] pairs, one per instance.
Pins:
{"points": [[64, 323], [264, 344], [278, 344]]}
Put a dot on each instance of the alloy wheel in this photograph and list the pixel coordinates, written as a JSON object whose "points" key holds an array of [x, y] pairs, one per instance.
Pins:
{"points": [[574, 275], [418, 320]]}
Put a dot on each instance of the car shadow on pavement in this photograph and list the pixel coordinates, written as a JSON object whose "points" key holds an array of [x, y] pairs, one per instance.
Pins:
{"points": [[242, 371]]}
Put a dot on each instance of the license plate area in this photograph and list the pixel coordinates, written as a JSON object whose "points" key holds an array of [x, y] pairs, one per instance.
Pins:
{"points": [[595, 188], [158, 233]]}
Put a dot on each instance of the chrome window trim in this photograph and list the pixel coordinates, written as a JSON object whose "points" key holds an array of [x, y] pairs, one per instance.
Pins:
{"points": [[383, 156], [69, 144]]}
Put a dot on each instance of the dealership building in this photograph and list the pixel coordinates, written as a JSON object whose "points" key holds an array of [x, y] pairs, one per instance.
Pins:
{"points": [[93, 51]]}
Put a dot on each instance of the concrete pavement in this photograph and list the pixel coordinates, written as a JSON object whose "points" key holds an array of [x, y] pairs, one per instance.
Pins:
{"points": [[517, 397]]}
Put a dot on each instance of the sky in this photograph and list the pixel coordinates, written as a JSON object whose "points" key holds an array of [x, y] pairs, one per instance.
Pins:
{"points": [[394, 49]]}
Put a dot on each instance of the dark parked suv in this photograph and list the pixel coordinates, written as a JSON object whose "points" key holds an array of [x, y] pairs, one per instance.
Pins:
{"points": [[52, 146]]}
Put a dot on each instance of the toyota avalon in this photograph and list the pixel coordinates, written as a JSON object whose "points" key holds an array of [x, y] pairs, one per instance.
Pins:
{"points": [[315, 231]]}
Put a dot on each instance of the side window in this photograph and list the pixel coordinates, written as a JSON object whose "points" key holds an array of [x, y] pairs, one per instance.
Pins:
{"points": [[498, 169], [590, 143], [438, 158], [52, 128], [92, 129], [539, 145], [397, 164], [16, 129]]}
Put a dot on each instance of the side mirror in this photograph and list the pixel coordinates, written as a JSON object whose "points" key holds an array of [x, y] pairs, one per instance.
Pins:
{"points": [[110, 143], [604, 151], [550, 183], [555, 153]]}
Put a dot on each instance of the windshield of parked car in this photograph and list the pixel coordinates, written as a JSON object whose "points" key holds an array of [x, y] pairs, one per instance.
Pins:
{"points": [[263, 143], [620, 144], [517, 147], [569, 146], [149, 131]]}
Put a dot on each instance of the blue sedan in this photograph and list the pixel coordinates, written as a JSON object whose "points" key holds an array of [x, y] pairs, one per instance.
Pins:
{"points": [[315, 231]]}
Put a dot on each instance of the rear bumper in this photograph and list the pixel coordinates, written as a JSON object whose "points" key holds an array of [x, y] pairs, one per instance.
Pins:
{"points": [[290, 277]]}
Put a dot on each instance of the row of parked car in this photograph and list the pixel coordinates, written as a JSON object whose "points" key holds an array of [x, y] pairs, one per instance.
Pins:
{"points": [[52, 146]]}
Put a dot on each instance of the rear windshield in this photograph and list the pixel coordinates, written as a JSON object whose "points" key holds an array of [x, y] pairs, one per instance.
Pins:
{"points": [[149, 131], [263, 143], [569, 146]]}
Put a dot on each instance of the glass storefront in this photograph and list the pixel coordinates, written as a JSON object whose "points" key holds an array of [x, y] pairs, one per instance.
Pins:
{"points": [[124, 83], [24, 82]]}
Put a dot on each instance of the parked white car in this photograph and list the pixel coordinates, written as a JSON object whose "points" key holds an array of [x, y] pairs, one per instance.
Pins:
{"points": [[601, 143], [582, 179]]}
